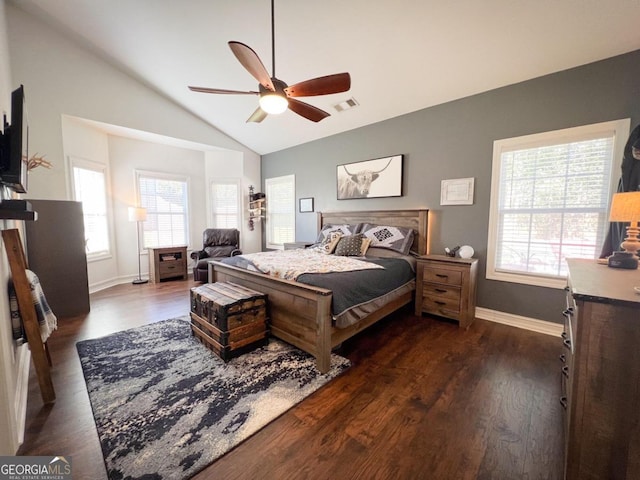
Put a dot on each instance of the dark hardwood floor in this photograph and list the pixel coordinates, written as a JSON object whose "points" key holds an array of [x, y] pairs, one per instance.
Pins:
{"points": [[423, 399]]}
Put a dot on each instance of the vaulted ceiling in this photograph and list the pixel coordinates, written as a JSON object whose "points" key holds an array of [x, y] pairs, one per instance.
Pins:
{"points": [[403, 55]]}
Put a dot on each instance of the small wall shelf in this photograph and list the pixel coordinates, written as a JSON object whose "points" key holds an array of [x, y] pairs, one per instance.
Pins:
{"points": [[257, 211], [7, 214]]}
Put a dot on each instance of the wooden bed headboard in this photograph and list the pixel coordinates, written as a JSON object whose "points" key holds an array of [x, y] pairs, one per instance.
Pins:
{"points": [[417, 219]]}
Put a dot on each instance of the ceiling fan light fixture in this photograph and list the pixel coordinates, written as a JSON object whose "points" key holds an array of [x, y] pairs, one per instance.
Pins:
{"points": [[273, 103]]}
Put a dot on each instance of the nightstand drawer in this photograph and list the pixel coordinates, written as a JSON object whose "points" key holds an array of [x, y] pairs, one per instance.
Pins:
{"points": [[445, 307], [442, 275], [172, 267], [441, 291]]}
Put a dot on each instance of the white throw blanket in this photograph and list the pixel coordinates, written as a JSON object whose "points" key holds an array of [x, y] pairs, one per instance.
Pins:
{"points": [[290, 264], [47, 320]]}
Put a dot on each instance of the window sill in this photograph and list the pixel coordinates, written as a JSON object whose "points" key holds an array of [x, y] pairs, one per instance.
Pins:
{"points": [[534, 280]]}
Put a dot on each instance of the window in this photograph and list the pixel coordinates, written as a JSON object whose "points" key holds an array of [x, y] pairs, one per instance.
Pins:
{"points": [[165, 198], [90, 188], [550, 194], [281, 210], [225, 203]]}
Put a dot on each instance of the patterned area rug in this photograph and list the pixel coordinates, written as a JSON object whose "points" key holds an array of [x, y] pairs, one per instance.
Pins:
{"points": [[165, 407]]}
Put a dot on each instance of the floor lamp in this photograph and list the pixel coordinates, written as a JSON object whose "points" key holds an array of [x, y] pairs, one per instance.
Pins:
{"points": [[138, 215]]}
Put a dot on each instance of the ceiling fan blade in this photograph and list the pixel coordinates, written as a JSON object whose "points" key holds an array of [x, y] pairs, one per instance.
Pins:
{"points": [[250, 60], [339, 82], [221, 90], [257, 116], [307, 111]]}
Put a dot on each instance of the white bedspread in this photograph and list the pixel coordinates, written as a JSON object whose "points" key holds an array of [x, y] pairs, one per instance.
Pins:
{"points": [[290, 264]]}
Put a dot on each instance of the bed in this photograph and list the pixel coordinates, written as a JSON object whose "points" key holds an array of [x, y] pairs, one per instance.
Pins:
{"points": [[300, 314]]}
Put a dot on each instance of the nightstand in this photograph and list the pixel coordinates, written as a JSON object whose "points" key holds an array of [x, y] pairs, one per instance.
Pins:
{"points": [[446, 286], [167, 262]]}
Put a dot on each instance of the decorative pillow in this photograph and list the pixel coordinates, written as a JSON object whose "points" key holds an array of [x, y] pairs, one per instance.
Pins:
{"points": [[328, 245], [344, 229], [350, 246], [365, 246], [398, 239]]}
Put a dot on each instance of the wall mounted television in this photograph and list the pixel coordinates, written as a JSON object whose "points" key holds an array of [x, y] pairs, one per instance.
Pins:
{"points": [[14, 147]]}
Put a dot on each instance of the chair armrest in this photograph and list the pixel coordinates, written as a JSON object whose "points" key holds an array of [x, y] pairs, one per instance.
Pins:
{"points": [[197, 255], [236, 252]]}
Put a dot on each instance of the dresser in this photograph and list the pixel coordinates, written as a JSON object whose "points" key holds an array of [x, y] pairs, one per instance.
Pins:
{"points": [[600, 372], [55, 247], [446, 286], [167, 262]]}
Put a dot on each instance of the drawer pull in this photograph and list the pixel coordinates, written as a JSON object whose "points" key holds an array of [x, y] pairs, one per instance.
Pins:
{"points": [[568, 312], [563, 335], [565, 371], [563, 358], [440, 290], [567, 343], [439, 302], [563, 402], [441, 275]]}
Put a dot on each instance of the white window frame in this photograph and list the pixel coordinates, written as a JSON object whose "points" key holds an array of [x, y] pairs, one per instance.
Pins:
{"points": [[621, 132], [268, 183], [225, 181], [77, 162], [171, 177]]}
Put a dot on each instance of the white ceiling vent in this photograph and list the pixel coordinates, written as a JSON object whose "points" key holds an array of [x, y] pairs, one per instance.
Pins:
{"points": [[346, 105]]}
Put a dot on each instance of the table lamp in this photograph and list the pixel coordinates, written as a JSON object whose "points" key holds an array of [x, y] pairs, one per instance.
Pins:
{"points": [[625, 207]]}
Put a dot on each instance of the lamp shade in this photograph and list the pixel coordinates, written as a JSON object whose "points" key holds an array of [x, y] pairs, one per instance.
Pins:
{"points": [[625, 207], [137, 214]]}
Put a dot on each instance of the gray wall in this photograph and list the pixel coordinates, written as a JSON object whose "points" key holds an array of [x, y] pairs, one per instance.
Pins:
{"points": [[455, 140]]}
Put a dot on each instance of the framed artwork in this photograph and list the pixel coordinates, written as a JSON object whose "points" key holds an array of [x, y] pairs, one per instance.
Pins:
{"points": [[458, 191], [306, 205], [381, 177]]}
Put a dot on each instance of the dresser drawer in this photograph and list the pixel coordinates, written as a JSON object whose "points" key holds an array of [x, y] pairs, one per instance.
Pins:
{"points": [[442, 275]]}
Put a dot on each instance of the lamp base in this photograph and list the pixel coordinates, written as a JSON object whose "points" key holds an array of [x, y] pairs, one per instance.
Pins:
{"points": [[623, 259], [140, 281]]}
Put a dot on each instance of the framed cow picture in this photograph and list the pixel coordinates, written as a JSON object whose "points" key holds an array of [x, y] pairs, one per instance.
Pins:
{"points": [[380, 177]]}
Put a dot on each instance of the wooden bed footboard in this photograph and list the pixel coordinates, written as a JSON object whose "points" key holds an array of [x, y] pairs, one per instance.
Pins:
{"points": [[298, 314]]}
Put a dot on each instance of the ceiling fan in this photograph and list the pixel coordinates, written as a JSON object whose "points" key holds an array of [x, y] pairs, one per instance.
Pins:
{"points": [[275, 95]]}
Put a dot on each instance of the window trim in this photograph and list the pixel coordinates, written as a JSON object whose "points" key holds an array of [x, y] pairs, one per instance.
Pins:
{"points": [[225, 181], [86, 164], [166, 176], [621, 130], [273, 180]]}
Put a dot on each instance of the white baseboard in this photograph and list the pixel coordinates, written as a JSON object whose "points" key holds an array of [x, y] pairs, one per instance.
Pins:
{"points": [[96, 287], [23, 362], [540, 326]]}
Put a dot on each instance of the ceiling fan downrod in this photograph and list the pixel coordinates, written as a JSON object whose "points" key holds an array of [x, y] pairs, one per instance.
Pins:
{"points": [[273, 40]]}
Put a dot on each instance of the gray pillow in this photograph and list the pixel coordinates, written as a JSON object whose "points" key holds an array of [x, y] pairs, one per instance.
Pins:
{"points": [[350, 246], [398, 239], [344, 229]]}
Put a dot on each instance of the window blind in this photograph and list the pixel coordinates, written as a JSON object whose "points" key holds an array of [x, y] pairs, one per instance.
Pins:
{"points": [[166, 203], [281, 214], [89, 188], [225, 199], [553, 202]]}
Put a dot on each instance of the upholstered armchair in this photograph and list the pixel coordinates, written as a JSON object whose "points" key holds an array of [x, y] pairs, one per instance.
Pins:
{"points": [[217, 243]]}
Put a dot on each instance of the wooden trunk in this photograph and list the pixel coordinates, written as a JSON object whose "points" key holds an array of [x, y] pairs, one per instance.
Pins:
{"points": [[229, 319]]}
